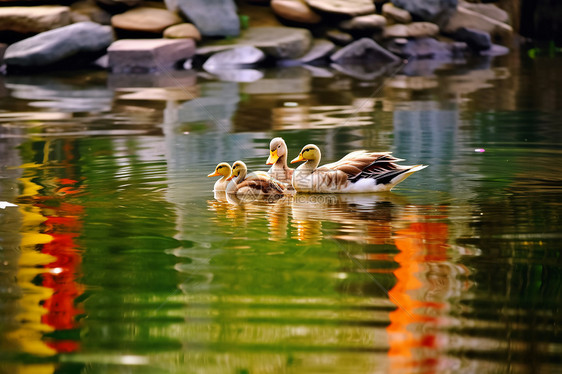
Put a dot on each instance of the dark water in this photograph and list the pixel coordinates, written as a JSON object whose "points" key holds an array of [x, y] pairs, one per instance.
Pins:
{"points": [[117, 257]]}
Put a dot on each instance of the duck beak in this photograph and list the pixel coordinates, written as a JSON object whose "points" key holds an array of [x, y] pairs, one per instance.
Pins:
{"points": [[273, 157], [299, 158], [215, 174]]}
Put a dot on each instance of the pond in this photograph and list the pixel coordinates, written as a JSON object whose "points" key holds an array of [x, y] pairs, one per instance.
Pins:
{"points": [[118, 258]]}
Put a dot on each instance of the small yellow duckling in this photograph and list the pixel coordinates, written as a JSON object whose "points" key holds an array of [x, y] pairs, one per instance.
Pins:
{"points": [[223, 169], [255, 184], [278, 159]]}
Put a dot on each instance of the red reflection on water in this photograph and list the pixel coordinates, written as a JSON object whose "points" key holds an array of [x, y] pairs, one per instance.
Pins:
{"points": [[64, 225], [412, 333]]}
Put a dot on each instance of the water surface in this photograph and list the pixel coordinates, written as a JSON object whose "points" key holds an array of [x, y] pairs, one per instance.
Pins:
{"points": [[119, 258]]}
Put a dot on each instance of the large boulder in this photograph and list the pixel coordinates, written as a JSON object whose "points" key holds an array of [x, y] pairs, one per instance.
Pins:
{"points": [[148, 55], [427, 10], [295, 10], [53, 46], [145, 19], [212, 17], [34, 19], [349, 8]]}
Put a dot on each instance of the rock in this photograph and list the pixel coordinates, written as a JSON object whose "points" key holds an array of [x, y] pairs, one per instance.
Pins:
{"points": [[148, 55], [350, 8], [475, 39], [243, 56], [182, 31], [34, 19], [339, 37], [368, 22], [364, 49], [411, 30], [427, 10], [89, 9], [320, 49], [145, 19], [295, 10], [423, 48], [361, 70], [489, 10], [55, 45], [467, 18], [397, 14], [289, 80], [212, 17], [275, 41]]}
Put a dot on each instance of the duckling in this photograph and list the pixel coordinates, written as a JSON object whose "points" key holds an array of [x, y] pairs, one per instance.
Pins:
{"points": [[359, 171], [223, 170], [254, 184], [278, 158]]}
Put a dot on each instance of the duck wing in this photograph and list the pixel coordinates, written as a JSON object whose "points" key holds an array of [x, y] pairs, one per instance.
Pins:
{"points": [[262, 182], [362, 165]]}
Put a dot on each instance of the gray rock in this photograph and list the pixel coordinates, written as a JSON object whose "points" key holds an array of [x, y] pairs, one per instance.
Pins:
{"points": [[475, 39], [368, 22], [489, 10], [55, 45], [212, 17], [148, 55], [427, 10], [321, 48], [411, 30], [339, 37], [467, 18], [364, 49], [239, 75], [277, 42], [34, 19], [361, 70], [495, 50], [350, 8], [234, 58], [397, 14]]}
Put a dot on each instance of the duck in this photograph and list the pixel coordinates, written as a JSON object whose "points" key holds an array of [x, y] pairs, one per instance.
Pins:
{"points": [[222, 170], [278, 159], [255, 184], [357, 172]]}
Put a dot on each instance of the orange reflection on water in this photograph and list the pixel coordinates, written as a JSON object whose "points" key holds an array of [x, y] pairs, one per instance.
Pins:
{"points": [[412, 333]]}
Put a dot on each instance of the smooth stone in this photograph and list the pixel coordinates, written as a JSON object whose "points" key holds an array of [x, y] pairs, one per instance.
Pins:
{"points": [[182, 31], [345, 7], [364, 49], [427, 10], [55, 45], [275, 41], [321, 48], [411, 30], [489, 10], [34, 19], [339, 37], [475, 39], [295, 10], [395, 13], [88, 8], [212, 17], [145, 20], [368, 22], [148, 55], [467, 18], [234, 58]]}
